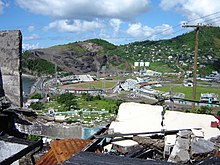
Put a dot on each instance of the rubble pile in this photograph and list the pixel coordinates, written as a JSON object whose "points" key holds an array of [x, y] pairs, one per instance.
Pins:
{"points": [[188, 148], [137, 132], [4, 103]]}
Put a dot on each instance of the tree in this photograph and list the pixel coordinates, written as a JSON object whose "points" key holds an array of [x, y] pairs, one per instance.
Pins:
{"points": [[37, 96], [87, 97], [68, 100], [37, 106], [204, 110]]}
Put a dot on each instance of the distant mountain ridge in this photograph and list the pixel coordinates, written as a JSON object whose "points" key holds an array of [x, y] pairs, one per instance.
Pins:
{"points": [[96, 55]]}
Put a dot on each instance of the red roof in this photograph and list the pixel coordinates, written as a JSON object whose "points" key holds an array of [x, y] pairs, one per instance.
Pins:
{"points": [[62, 150]]}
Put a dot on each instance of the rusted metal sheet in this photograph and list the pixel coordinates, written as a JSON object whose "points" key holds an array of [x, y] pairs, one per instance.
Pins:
{"points": [[48, 158], [62, 150]]}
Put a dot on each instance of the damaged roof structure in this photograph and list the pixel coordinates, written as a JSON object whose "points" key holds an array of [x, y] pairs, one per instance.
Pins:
{"points": [[62, 150], [176, 137], [146, 134]]}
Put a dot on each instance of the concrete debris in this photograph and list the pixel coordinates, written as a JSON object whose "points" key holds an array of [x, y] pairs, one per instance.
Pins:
{"points": [[189, 148], [184, 134], [4, 103], [180, 152], [125, 146], [149, 142], [107, 148], [179, 156], [200, 146], [216, 140], [193, 141]]}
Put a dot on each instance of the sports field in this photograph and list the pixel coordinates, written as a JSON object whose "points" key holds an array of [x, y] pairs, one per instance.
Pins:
{"points": [[91, 85]]}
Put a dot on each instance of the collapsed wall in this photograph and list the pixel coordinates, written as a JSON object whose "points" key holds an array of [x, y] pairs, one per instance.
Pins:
{"points": [[10, 66]]}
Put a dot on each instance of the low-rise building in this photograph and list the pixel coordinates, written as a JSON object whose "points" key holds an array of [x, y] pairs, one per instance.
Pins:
{"points": [[209, 98]]}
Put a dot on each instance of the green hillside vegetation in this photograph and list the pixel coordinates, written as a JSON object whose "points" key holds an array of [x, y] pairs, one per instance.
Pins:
{"points": [[172, 54], [104, 44], [74, 46], [36, 66], [109, 48], [180, 50]]}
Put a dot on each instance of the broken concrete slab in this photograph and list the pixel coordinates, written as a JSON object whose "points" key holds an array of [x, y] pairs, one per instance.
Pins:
{"points": [[149, 142], [200, 146], [180, 152], [184, 134], [179, 156], [183, 143], [125, 146]]}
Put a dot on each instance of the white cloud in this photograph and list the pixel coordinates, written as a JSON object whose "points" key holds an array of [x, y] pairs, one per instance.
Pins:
{"points": [[86, 9], [115, 24], [144, 32], [167, 4], [3, 5], [30, 46], [31, 28], [31, 37], [194, 9], [139, 31], [75, 25]]}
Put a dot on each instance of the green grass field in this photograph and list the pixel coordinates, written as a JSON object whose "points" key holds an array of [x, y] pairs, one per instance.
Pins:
{"points": [[93, 85], [160, 67], [188, 90]]}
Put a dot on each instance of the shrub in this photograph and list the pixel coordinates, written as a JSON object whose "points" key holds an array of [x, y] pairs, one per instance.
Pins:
{"points": [[37, 106], [204, 110], [37, 96]]}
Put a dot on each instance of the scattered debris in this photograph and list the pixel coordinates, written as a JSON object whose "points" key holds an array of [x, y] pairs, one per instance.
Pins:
{"points": [[180, 152], [149, 142]]}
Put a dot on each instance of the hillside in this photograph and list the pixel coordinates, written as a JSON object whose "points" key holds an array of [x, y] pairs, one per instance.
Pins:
{"points": [[98, 55], [90, 56], [180, 51]]}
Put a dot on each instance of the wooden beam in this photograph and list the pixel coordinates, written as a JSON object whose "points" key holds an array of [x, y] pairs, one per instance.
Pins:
{"points": [[165, 132]]}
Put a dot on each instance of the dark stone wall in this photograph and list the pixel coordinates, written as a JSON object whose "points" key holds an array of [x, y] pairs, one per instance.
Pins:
{"points": [[2, 93], [10, 66]]}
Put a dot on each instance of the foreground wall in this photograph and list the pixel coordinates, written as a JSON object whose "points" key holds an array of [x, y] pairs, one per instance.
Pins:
{"points": [[10, 66], [8, 149]]}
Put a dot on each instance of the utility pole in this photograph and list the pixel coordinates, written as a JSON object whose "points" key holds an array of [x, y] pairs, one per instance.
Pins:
{"points": [[195, 58]]}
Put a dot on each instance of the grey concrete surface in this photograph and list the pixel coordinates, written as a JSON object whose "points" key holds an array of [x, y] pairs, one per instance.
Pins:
{"points": [[10, 66]]}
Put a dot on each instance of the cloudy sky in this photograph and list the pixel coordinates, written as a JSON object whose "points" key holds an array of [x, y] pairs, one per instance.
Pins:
{"points": [[45, 23]]}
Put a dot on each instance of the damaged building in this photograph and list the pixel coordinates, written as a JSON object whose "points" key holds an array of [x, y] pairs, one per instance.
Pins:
{"points": [[13, 144], [146, 134], [174, 136], [140, 134]]}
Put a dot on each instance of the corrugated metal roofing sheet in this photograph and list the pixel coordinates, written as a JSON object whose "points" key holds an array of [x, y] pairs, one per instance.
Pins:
{"points": [[62, 150], [91, 158]]}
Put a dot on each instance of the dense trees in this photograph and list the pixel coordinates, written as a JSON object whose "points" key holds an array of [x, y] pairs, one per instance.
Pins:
{"points": [[36, 66], [68, 100]]}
